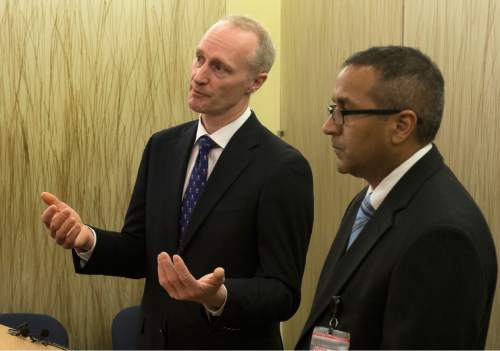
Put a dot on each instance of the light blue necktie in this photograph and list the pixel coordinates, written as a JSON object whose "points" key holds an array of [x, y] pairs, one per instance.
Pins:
{"points": [[197, 182], [365, 212]]}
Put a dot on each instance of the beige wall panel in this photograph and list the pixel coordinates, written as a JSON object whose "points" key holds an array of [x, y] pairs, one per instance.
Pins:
{"points": [[83, 84], [316, 37], [463, 37]]}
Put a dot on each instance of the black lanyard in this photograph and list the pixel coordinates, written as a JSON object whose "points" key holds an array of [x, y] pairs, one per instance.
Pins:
{"points": [[335, 309]]}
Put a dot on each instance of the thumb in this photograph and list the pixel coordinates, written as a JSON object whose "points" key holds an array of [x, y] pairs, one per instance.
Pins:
{"points": [[50, 199], [219, 275]]}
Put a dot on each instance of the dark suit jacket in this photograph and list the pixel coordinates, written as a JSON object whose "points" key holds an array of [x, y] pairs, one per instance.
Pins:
{"points": [[254, 218], [421, 274]]}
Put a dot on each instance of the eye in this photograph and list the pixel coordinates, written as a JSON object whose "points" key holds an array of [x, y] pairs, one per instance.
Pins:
{"points": [[341, 103], [218, 67], [199, 60]]}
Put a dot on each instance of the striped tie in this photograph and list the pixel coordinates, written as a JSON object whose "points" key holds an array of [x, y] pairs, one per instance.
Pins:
{"points": [[365, 212]]}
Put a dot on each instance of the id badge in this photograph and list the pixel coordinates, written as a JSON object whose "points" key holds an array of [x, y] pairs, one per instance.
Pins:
{"points": [[324, 338]]}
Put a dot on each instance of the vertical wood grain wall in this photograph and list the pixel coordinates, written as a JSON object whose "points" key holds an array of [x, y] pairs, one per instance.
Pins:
{"points": [[462, 36], [83, 84]]}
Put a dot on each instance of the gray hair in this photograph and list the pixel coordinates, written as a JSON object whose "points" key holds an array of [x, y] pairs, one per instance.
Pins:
{"points": [[265, 53]]}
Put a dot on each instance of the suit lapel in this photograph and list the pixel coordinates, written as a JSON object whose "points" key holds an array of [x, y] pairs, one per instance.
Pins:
{"points": [[339, 268], [174, 176], [234, 159], [324, 289], [338, 246]]}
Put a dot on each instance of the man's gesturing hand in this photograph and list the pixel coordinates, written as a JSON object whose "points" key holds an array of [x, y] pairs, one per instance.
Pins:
{"points": [[65, 225], [180, 284]]}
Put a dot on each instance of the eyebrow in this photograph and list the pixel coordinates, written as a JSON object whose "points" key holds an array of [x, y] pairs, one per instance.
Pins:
{"points": [[227, 66], [340, 100]]}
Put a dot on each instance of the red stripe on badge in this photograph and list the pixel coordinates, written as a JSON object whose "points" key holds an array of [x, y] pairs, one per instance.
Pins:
{"points": [[331, 337]]}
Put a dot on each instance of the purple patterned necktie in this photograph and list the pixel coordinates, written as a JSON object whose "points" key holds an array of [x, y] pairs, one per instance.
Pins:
{"points": [[197, 182]]}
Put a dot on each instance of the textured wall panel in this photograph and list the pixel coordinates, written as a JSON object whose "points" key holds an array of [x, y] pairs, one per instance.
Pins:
{"points": [[82, 86], [463, 37]]}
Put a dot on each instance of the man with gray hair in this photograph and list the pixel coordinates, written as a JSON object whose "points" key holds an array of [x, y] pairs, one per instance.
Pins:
{"points": [[212, 224], [413, 265]]}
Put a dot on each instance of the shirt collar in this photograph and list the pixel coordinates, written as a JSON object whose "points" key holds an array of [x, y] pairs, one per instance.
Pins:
{"points": [[223, 135], [382, 190]]}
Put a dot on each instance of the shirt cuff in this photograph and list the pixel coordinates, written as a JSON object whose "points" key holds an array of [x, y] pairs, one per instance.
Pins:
{"points": [[85, 255], [218, 312]]}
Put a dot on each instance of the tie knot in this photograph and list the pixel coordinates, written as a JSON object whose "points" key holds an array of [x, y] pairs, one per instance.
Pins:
{"points": [[205, 143]]}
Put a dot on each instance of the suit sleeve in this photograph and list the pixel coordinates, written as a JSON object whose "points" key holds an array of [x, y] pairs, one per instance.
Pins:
{"points": [[123, 254], [284, 225], [437, 294]]}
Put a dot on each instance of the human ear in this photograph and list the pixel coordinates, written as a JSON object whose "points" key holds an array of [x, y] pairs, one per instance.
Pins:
{"points": [[257, 83], [405, 123]]}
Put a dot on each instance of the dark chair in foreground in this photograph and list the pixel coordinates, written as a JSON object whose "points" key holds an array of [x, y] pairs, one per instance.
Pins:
{"points": [[36, 324], [125, 327]]}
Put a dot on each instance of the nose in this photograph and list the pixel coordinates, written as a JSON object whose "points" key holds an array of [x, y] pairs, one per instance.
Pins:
{"points": [[200, 74], [330, 127]]}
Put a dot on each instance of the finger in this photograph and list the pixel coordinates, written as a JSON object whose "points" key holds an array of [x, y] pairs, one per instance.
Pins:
{"points": [[58, 220], [164, 262], [61, 235], [186, 279], [172, 276], [162, 279], [69, 242], [162, 257], [48, 214], [66, 226], [64, 231], [50, 199]]}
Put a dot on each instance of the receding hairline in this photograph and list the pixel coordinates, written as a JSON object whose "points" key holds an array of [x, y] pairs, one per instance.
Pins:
{"points": [[377, 77], [265, 52]]}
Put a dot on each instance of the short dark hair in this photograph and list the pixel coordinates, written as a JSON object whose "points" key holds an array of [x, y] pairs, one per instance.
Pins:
{"points": [[407, 79]]}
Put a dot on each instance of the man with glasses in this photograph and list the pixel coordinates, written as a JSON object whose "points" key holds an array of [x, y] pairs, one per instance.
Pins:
{"points": [[413, 265]]}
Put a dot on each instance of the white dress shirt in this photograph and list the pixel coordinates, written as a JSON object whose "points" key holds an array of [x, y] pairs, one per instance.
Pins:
{"points": [[221, 137], [384, 188]]}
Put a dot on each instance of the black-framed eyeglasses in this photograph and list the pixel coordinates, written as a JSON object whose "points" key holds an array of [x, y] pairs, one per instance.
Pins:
{"points": [[338, 115]]}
